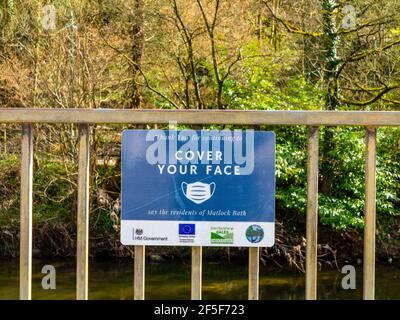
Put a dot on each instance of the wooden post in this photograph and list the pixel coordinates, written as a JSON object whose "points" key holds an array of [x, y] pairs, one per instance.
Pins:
{"points": [[139, 272], [254, 270], [82, 252], [312, 214], [25, 282], [196, 273], [370, 215]]}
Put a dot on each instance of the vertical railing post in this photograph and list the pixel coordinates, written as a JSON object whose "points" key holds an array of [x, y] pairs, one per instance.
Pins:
{"points": [[139, 272], [82, 252], [254, 270], [196, 273], [25, 282], [370, 215], [312, 214]]}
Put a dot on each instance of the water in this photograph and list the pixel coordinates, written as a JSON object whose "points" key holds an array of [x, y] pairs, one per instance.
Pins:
{"points": [[113, 279]]}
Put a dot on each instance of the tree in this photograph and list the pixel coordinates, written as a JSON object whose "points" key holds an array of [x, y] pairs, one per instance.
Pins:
{"points": [[194, 55], [344, 51], [137, 51], [6, 17]]}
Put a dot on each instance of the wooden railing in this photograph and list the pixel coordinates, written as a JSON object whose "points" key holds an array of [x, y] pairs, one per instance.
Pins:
{"points": [[85, 117]]}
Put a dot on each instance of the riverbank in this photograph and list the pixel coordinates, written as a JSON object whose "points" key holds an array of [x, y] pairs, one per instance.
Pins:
{"points": [[57, 239]]}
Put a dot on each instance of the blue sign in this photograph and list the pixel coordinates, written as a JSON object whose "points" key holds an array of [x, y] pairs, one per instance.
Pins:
{"points": [[209, 186]]}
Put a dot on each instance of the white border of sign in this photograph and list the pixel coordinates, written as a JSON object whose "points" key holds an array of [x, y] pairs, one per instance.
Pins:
{"points": [[166, 233]]}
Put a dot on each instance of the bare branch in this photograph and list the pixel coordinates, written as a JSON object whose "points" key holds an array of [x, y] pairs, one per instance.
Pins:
{"points": [[190, 54], [147, 83], [372, 23], [367, 53], [290, 27], [372, 100]]}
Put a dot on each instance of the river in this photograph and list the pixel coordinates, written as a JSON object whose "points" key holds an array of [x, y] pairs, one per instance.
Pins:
{"points": [[113, 279]]}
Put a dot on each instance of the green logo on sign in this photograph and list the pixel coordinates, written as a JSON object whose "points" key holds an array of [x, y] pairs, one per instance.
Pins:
{"points": [[221, 235]]}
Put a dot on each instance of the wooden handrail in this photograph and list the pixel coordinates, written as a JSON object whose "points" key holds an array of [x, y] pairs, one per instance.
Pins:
{"points": [[243, 117]]}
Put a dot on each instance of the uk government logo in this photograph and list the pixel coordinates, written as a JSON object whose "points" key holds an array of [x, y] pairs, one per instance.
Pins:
{"points": [[254, 233], [138, 235], [187, 232]]}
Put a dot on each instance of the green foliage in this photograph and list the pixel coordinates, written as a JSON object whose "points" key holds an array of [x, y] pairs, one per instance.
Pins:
{"points": [[267, 85], [54, 190], [344, 207], [9, 182]]}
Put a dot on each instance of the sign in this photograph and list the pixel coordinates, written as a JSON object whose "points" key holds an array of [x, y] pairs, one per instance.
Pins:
{"points": [[198, 188]]}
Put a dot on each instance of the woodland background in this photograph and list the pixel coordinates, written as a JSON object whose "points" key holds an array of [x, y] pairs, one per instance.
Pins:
{"points": [[202, 54]]}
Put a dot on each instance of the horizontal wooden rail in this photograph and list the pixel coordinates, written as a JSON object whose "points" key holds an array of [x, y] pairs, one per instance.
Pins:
{"points": [[267, 117]]}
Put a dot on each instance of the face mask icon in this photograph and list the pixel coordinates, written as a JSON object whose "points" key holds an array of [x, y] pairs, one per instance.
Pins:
{"points": [[198, 192]]}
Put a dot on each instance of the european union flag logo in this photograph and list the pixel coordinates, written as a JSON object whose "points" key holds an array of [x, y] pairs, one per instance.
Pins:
{"points": [[187, 229]]}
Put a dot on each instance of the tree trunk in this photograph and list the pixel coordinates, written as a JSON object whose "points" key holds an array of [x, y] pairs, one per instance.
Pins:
{"points": [[137, 51], [331, 65]]}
